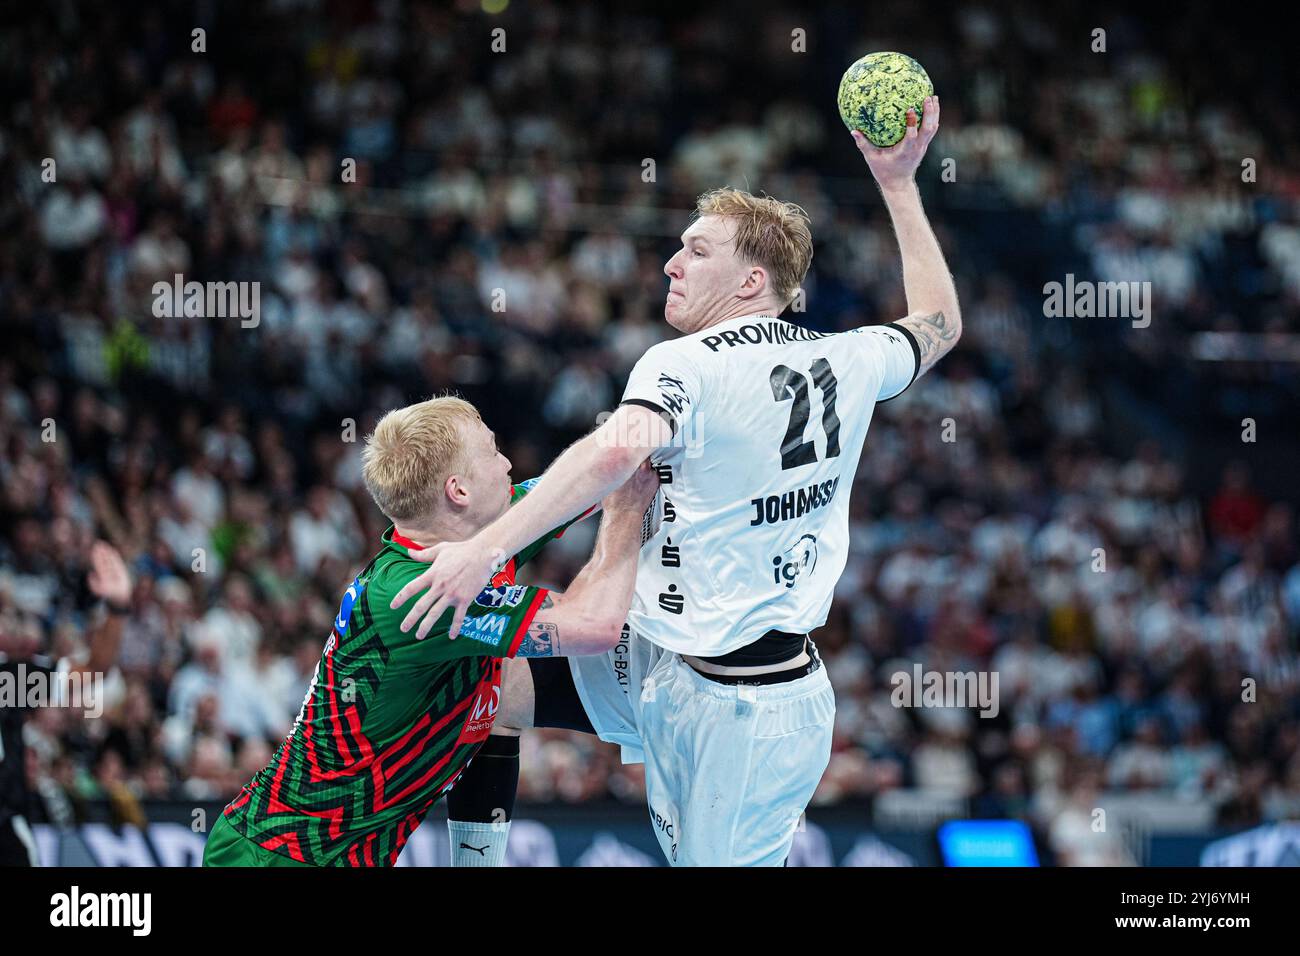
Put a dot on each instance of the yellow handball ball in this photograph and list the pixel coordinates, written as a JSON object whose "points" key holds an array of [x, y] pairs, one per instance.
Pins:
{"points": [[877, 91]]}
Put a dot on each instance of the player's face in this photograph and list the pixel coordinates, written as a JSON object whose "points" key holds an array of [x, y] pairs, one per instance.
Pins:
{"points": [[489, 474], [706, 280]]}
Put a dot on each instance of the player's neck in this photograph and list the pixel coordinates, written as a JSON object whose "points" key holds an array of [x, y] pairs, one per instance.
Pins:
{"points": [[438, 531], [744, 310]]}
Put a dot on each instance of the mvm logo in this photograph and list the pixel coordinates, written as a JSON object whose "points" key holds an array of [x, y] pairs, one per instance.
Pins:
{"points": [[488, 628]]}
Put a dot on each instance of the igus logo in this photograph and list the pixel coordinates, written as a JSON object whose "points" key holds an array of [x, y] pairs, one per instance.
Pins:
{"points": [[799, 559]]}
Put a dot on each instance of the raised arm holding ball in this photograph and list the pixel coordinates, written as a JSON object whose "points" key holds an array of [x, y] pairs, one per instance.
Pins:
{"points": [[934, 318]]}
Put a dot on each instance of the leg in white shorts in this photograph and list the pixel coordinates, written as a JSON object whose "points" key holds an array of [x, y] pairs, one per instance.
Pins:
{"points": [[730, 768]]}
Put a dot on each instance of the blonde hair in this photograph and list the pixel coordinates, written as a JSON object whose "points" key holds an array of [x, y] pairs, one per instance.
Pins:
{"points": [[411, 452], [770, 233]]}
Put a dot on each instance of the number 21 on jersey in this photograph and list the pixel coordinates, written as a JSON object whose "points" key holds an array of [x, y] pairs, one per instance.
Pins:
{"points": [[791, 386]]}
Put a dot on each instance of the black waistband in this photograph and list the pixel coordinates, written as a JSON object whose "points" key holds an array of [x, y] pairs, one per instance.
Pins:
{"points": [[774, 647], [775, 677]]}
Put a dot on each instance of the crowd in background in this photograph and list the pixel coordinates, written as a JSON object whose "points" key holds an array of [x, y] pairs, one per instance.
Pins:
{"points": [[422, 212]]}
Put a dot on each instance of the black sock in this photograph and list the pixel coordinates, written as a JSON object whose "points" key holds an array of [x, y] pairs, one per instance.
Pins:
{"points": [[487, 787]]}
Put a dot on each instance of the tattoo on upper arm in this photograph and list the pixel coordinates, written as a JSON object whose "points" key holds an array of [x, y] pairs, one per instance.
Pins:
{"points": [[935, 335], [542, 640]]}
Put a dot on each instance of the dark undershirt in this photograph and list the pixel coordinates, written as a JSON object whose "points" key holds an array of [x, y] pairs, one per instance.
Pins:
{"points": [[774, 647]]}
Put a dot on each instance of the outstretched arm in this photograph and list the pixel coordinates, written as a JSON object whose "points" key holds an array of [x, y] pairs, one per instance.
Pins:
{"points": [[588, 471], [934, 319], [583, 474], [588, 617]]}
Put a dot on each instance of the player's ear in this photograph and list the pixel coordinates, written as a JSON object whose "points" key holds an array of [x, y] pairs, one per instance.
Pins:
{"points": [[755, 282], [455, 491]]}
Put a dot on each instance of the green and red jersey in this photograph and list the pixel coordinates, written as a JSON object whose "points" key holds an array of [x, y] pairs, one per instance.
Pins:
{"points": [[389, 722]]}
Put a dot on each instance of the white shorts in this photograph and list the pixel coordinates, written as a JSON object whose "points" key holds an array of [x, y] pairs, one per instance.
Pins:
{"points": [[730, 768]]}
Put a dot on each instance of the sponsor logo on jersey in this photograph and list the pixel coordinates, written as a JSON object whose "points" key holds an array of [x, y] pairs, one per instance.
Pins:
{"points": [[665, 826], [796, 561], [793, 504], [776, 332], [671, 601], [622, 659], [485, 705], [350, 597], [483, 711], [499, 596], [672, 394], [488, 628]]}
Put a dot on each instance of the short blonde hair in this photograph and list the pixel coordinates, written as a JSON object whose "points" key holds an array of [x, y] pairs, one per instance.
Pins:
{"points": [[412, 451], [770, 233]]}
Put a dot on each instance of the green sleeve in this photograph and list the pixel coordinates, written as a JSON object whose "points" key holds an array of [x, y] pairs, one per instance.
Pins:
{"points": [[494, 625]]}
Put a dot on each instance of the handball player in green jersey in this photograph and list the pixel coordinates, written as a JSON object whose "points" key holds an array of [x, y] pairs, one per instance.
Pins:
{"points": [[391, 721]]}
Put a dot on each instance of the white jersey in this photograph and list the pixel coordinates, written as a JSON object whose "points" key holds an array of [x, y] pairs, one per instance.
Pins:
{"points": [[752, 518]]}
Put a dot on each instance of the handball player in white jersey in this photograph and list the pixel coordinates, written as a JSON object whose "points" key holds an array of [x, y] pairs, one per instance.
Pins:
{"points": [[756, 425]]}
